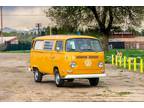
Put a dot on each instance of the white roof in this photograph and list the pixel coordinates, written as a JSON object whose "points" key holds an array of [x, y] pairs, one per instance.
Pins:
{"points": [[6, 39]]}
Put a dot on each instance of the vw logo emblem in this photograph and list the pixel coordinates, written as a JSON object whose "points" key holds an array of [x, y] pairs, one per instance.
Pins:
{"points": [[88, 62]]}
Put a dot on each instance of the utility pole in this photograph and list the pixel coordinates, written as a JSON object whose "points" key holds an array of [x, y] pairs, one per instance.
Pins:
{"points": [[50, 30], [38, 25], [1, 31]]}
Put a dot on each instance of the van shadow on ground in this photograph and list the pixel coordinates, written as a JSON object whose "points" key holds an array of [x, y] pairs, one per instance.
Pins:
{"points": [[74, 84]]}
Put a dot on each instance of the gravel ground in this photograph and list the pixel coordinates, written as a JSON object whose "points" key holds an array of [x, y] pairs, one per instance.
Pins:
{"points": [[17, 84]]}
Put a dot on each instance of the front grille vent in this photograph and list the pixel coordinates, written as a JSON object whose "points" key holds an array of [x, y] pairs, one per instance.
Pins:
{"points": [[84, 57]]}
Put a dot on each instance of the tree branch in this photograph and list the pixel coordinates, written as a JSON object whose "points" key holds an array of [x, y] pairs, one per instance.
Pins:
{"points": [[104, 15], [94, 11], [110, 20]]}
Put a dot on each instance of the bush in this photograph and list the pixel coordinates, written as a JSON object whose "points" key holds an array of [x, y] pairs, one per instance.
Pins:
{"points": [[3, 47], [20, 46]]}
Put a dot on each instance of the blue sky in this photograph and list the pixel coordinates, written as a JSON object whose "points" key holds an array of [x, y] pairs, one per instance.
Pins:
{"points": [[24, 17]]}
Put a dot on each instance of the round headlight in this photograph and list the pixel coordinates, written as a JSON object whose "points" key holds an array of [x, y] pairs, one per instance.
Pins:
{"points": [[101, 64], [73, 65]]}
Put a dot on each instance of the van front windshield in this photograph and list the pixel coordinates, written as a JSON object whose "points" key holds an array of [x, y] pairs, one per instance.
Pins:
{"points": [[83, 45]]}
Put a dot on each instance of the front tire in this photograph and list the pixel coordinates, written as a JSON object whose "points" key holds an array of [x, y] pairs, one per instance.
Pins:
{"points": [[58, 81], [37, 75], [93, 81]]}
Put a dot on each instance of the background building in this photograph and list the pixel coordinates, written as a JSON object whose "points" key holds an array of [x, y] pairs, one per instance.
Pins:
{"points": [[126, 41], [9, 40]]}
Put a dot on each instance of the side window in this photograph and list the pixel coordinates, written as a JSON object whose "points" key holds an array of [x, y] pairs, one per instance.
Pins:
{"points": [[48, 45], [70, 45], [59, 46], [38, 45]]}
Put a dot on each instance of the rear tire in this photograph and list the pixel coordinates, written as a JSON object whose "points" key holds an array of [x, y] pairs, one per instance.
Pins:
{"points": [[58, 81], [37, 75], [93, 81], [70, 80]]}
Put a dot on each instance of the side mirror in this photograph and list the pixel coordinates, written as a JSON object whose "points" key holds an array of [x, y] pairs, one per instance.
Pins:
{"points": [[57, 48]]}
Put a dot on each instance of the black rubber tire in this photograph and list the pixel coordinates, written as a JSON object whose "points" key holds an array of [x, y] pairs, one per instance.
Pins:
{"points": [[93, 81], [37, 75], [58, 81], [70, 80]]}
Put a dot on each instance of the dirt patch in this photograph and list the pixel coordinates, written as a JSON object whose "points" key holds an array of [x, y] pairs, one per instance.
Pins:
{"points": [[17, 84]]}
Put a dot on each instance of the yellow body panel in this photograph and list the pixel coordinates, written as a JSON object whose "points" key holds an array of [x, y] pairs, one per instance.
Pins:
{"points": [[45, 61]]}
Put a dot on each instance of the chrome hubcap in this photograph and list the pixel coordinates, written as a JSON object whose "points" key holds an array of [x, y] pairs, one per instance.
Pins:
{"points": [[57, 79], [36, 75]]}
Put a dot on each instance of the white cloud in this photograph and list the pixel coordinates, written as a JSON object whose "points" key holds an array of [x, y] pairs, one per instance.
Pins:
{"points": [[24, 17]]}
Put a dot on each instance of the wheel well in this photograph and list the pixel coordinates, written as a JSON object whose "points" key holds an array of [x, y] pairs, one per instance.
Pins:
{"points": [[55, 67], [35, 68]]}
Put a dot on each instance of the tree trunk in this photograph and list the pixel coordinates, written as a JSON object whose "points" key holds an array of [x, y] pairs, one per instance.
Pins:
{"points": [[105, 42], [105, 38]]}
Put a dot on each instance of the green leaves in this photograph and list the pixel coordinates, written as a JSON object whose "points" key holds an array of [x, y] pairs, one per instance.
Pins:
{"points": [[79, 17]]}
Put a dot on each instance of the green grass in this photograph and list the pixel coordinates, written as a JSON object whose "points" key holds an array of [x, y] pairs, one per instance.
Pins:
{"points": [[16, 51], [138, 54], [126, 52]]}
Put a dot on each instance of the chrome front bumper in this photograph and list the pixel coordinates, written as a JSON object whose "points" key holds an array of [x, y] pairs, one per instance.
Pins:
{"points": [[84, 76]]}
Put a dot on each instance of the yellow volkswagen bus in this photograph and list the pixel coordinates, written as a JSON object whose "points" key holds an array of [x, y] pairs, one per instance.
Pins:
{"points": [[67, 57]]}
